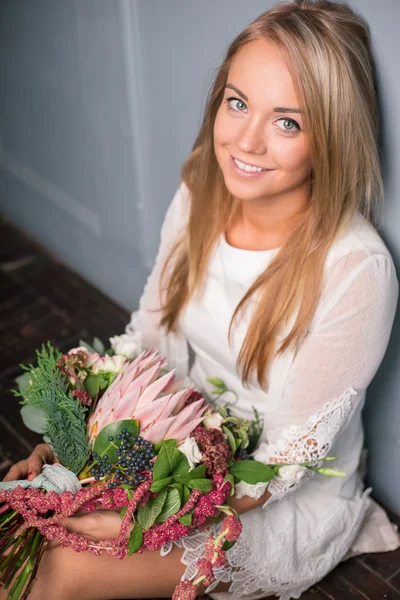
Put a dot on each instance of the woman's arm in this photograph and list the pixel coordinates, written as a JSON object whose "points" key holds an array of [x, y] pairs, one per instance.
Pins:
{"points": [[336, 362], [146, 320]]}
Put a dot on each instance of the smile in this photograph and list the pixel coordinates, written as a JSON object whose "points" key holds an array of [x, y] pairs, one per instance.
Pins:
{"points": [[249, 168], [246, 171]]}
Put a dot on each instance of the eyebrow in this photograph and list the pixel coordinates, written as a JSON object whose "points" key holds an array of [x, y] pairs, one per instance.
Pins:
{"points": [[280, 109]]}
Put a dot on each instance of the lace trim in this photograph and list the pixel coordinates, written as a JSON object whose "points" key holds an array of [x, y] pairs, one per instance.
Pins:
{"points": [[267, 560], [306, 443]]}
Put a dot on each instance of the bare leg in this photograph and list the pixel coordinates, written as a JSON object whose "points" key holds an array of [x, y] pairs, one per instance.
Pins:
{"points": [[67, 575]]}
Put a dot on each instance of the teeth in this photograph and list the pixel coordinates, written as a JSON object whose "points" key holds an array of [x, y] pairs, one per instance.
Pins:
{"points": [[248, 168]]}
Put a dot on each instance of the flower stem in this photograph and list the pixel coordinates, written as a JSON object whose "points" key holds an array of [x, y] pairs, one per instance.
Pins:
{"points": [[21, 580]]}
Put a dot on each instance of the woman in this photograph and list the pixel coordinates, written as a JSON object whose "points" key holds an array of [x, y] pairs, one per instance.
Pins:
{"points": [[270, 270]]}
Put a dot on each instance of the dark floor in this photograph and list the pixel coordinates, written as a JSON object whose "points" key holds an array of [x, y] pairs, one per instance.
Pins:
{"points": [[40, 300]]}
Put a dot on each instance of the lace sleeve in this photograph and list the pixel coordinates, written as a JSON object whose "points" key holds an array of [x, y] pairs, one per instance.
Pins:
{"points": [[145, 322], [333, 367]]}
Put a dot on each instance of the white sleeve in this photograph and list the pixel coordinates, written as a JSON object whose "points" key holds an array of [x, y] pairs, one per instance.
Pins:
{"points": [[334, 365], [145, 322]]}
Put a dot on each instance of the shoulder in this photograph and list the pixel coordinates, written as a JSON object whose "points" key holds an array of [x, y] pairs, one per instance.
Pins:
{"points": [[177, 215], [359, 247], [359, 273]]}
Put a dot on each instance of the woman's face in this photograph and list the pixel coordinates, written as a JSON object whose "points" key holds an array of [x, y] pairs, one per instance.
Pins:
{"points": [[258, 126]]}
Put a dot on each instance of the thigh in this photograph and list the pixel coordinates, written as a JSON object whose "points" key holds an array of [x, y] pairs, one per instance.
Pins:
{"points": [[67, 575]]}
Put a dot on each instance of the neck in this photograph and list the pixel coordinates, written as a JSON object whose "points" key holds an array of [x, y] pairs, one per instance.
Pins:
{"points": [[266, 223]]}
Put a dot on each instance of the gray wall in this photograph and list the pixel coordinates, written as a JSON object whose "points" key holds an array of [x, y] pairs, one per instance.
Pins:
{"points": [[101, 103]]}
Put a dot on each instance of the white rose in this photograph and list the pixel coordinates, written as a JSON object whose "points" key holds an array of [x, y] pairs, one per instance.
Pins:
{"points": [[246, 489], [292, 473], [191, 450], [126, 345], [213, 420], [109, 364]]}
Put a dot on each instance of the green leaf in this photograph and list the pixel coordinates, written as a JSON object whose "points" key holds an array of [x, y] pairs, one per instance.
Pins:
{"points": [[179, 487], [252, 471], [167, 460], [182, 466], [198, 472], [217, 382], [187, 519], [185, 495], [148, 513], [135, 539], [159, 445], [87, 346], [102, 444], [94, 383], [226, 545], [23, 380], [34, 418], [123, 512], [231, 438], [160, 484], [98, 346], [171, 505], [205, 485]]}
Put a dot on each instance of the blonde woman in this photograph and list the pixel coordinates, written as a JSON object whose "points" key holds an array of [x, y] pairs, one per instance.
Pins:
{"points": [[271, 270]]}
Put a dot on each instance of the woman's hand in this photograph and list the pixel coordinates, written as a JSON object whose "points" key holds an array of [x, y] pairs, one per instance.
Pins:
{"points": [[98, 525], [242, 505], [31, 466]]}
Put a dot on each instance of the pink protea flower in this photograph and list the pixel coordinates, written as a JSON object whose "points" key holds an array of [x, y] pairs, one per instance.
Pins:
{"points": [[140, 392], [185, 590]]}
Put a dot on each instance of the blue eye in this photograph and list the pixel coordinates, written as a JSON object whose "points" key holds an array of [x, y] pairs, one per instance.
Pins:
{"points": [[235, 104], [294, 125]]}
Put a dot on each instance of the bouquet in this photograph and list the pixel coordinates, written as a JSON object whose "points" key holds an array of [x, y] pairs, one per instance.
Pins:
{"points": [[127, 437]]}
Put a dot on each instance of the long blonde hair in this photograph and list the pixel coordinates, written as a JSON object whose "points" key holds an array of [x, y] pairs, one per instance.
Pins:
{"points": [[327, 48]]}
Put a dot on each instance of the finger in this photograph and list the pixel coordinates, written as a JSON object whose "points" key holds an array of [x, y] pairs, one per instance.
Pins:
{"points": [[85, 524], [42, 454], [17, 471]]}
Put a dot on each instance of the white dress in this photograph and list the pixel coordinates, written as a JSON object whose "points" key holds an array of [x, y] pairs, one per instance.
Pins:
{"points": [[312, 407]]}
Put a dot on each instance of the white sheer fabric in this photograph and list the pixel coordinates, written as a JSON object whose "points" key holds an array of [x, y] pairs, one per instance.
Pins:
{"points": [[311, 409]]}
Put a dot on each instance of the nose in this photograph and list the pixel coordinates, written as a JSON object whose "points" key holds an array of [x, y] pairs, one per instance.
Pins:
{"points": [[252, 138]]}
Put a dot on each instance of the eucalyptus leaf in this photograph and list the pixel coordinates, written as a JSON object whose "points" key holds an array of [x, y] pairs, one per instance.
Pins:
{"points": [[34, 418], [102, 445], [135, 539], [87, 346], [148, 513], [252, 471], [171, 505], [23, 380], [98, 346]]}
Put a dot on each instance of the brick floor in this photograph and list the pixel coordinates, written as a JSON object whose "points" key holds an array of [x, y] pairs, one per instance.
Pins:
{"points": [[41, 299]]}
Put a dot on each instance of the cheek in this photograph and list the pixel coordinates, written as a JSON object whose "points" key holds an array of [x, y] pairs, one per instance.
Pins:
{"points": [[293, 155]]}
